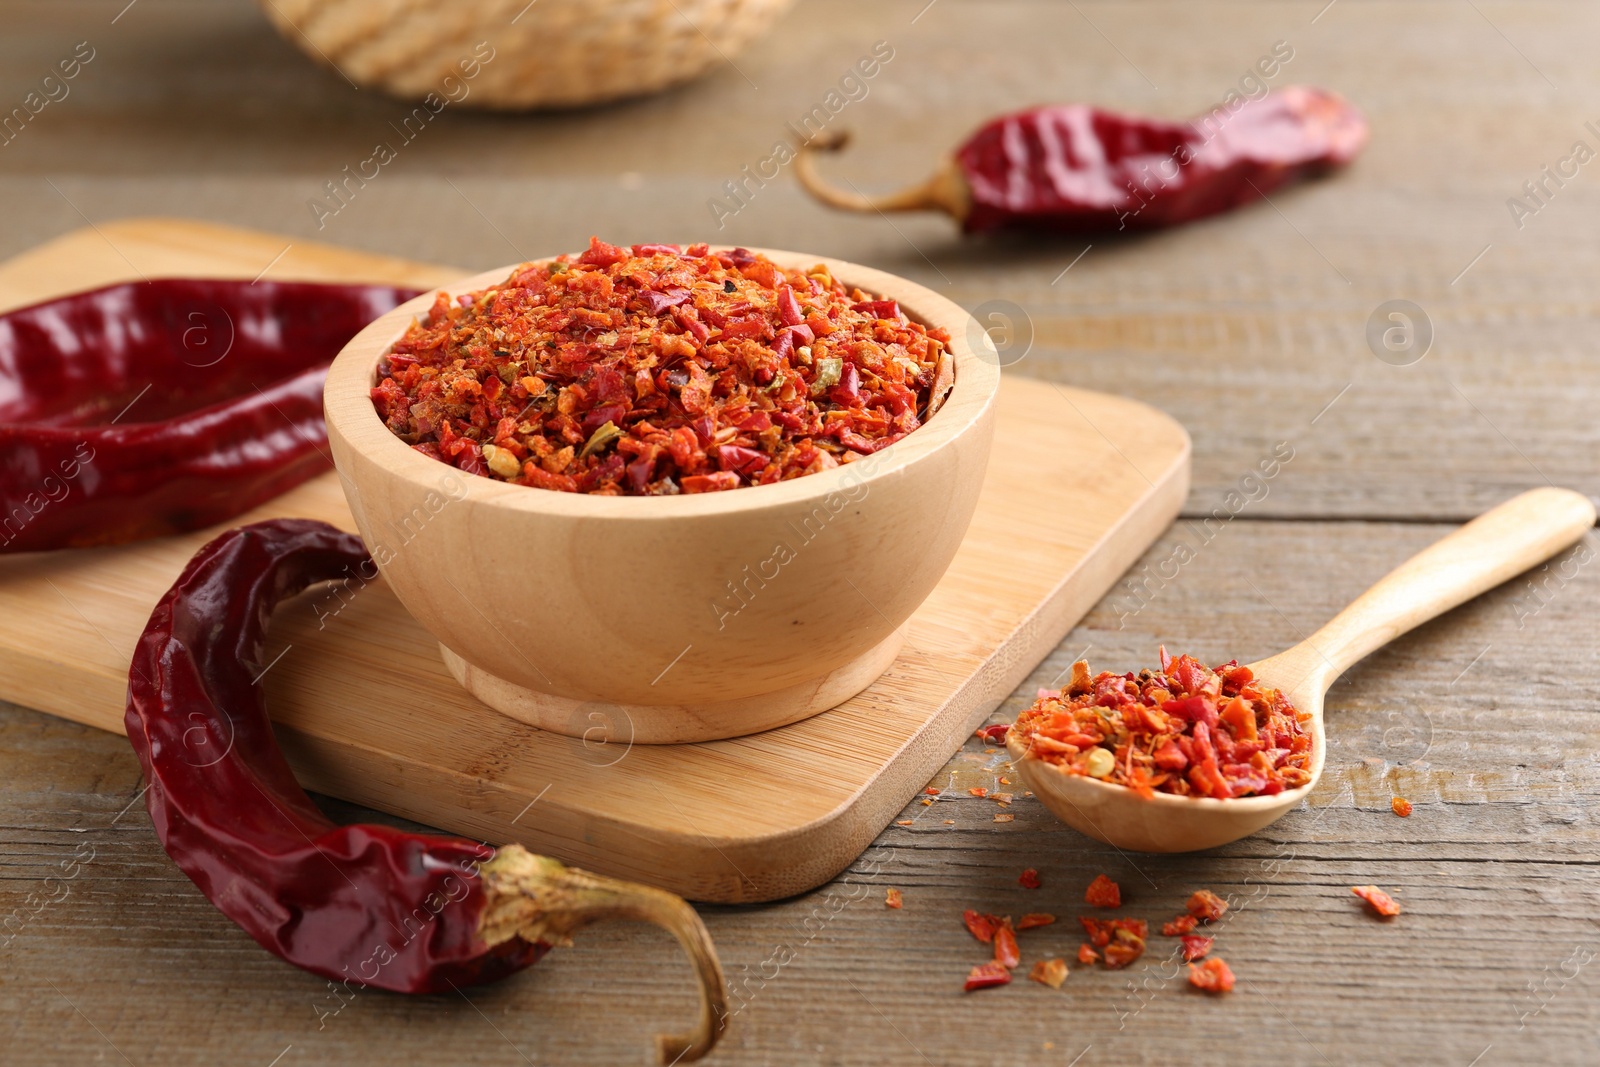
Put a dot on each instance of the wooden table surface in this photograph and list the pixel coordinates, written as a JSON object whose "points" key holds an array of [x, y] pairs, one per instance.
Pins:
{"points": [[1251, 329]]}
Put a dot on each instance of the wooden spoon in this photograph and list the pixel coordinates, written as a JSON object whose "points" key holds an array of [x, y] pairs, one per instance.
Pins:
{"points": [[1517, 535]]}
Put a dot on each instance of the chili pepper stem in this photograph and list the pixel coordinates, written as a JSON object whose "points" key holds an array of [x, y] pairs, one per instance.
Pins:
{"points": [[946, 190], [540, 899]]}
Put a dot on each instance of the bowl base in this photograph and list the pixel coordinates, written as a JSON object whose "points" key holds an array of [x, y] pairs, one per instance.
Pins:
{"points": [[599, 722]]}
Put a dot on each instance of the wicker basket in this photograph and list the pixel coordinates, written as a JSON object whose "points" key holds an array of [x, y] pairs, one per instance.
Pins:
{"points": [[548, 53]]}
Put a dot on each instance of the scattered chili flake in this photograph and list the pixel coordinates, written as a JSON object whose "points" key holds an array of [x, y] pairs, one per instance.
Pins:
{"points": [[1004, 780], [1029, 879], [1035, 918], [980, 925], [1126, 946], [1005, 945], [1207, 906], [927, 802], [903, 822], [1087, 954], [1005, 818], [985, 975], [995, 733], [1184, 729], [932, 791], [1183, 924], [949, 822], [978, 791], [893, 899], [1379, 901], [1103, 931], [658, 370], [1211, 975], [1103, 893], [1195, 947], [1051, 972], [1401, 806]]}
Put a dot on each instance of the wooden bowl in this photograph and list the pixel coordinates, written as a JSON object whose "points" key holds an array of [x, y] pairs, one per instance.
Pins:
{"points": [[669, 619], [517, 55]]}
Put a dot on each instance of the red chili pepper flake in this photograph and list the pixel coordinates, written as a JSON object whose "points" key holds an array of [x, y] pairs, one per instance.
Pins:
{"points": [[1051, 972], [1005, 945], [893, 899], [1195, 947], [1184, 729], [1401, 806], [1087, 954], [1379, 901], [932, 791], [1126, 946], [648, 372], [985, 975], [1207, 906], [978, 791], [1103, 893], [1183, 924], [1035, 918], [996, 733], [1005, 818], [904, 822], [1211, 975], [980, 925], [1102, 932], [1029, 879]]}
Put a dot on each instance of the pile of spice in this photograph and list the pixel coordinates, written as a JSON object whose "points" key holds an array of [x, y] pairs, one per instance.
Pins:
{"points": [[1115, 943], [1185, 729], [657, 370]]}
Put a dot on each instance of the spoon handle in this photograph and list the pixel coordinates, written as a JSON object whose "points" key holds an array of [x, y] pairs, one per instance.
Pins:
{"points": [[1499, 544]]}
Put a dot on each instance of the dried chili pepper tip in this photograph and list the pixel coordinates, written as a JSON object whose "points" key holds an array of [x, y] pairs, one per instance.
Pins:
{"points": [[1103, 893], [893, 899], [1380, 902], [985, 975], [1029, 879], [1051, 972], [1211, 975], [1206, 906], [1400, 806]]}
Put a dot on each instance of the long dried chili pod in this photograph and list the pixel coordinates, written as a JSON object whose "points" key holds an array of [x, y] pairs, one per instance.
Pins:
{"points": [[365, 905], [1080, 169], [148, 408]]}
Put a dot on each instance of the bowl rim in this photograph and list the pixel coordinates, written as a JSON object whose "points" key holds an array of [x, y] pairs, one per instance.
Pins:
{"points": [[351, 416]]}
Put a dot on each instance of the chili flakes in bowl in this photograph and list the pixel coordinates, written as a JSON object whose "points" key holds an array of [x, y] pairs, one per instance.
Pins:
{"points": [[1185, 729], [656, 370]]}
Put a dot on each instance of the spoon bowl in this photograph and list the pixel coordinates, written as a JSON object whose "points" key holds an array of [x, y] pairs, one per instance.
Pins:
{"points": [[1497, 545]]}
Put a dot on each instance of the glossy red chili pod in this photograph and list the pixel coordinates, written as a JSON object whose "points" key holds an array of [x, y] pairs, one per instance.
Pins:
{"points": [[1079, 169], [361, 905], [148, 408]]}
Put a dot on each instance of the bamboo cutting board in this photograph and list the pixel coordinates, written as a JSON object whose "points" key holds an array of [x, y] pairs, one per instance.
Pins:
{"points": [[1079, 485]]}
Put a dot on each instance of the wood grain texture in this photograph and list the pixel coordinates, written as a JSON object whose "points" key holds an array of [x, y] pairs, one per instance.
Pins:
{"points": [[1078, 484], [1239, 327]]}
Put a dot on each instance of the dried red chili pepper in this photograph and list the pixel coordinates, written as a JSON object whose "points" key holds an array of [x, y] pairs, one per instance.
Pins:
{"points": [[1400, 806], [1183, 729], [1103, 893], [1380, 902], [1206, 906], [1029, 879], [1087, 954], [985, 975], [981, 926], [1194, 947], [1035, 918], [1183, 924], [1005, 945], [148, 408], [365, 904], [1080, 169], [1211, 975], [893, 898]]}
